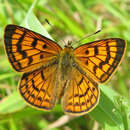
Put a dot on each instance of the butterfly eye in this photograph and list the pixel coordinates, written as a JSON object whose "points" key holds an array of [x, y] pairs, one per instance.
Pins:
{"points": [[73, 64]]}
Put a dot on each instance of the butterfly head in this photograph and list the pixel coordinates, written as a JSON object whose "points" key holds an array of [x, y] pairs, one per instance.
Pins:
{"points": [[69, 44]]}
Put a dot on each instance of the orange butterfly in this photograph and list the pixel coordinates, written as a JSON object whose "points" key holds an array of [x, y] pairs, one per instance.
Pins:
{"points": [[51, 72]]}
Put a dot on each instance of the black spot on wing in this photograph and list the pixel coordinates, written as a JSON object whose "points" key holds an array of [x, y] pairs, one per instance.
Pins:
{"points": [[86, 62], [30, 60], [33, 85], [41, 56], [87, 52], [42, 75], [44, 46], [34, 43], [107, 57], [19, 46], [39, 98], [95, 68], [96, 50]]}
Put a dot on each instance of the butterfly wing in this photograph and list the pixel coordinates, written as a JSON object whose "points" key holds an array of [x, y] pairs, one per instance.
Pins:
{"points": [[28, 50], [81, 94], [38, 88], [100, 59]]}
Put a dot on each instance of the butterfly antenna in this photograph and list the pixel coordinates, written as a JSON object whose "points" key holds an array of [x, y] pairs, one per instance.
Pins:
{"points": [[99, 23], [47, 21], [86, 36]]}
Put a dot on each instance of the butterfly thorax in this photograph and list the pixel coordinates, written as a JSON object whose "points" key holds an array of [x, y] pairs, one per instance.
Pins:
{"points": [[65, 63]]}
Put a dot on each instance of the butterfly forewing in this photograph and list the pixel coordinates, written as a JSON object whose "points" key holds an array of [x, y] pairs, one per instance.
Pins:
{"points": [[99, 59], [38, 88], [81, 94], [28, 50]]}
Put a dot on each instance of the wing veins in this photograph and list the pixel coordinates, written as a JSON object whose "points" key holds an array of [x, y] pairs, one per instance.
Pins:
{"points": [[54, 62], [37, 85], [92, 44], [90, 88], [30, 79], [33, 55], [78, 94], [45, 91], [35, 76], [34, 48], [40, 88], [41, 38], [73, 97], [38, 91], [82, 94], [98, 67], [79, 98], [88, 94], [46, 42], [96, 57], [81, 71]]}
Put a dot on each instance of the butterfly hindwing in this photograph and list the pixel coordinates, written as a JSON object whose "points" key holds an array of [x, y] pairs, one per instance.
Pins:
{"points": [[38, 88], [28, 50], [81, 94], [100, 59]]}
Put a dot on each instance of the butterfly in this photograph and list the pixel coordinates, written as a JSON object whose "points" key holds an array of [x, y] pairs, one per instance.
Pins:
{"points": [[51, 73]]}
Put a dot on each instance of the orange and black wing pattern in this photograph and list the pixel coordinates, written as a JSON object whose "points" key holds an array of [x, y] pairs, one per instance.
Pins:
{"points": [[28, 50], [38, 88], [81, 94], [99, 59]]}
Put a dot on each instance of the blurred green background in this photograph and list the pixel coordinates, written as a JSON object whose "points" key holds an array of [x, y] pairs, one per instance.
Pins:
{"points": [[71, 20]]}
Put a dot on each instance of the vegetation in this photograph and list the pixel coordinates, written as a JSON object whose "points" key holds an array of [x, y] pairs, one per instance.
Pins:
{"points": [[70, 20]]}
